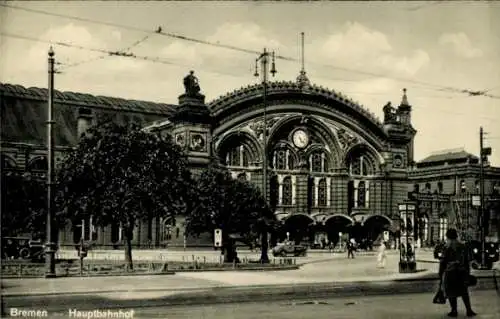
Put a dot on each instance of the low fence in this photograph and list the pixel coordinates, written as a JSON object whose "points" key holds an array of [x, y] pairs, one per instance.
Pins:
{"points": [[110, 267]]}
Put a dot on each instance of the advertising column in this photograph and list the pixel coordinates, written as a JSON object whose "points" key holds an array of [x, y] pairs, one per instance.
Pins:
{"points": [[407, 261]]}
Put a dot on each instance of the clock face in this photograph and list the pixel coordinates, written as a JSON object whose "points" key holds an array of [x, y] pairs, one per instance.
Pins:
{"points": [[300, 138]]}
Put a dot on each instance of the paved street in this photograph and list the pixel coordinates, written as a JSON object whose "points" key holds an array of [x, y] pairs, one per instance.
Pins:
{"points": [[486, 303]]}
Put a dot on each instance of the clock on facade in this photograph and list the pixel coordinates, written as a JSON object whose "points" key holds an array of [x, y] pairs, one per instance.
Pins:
{"points": [[300, 138]]}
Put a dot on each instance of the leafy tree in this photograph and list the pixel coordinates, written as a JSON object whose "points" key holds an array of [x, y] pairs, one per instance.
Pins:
{"points": [[24, 205], [236, 207], [120, 174]]}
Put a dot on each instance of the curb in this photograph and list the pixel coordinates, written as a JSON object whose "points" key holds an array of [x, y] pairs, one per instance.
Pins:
{"points": [[358, 283], [216, 295]]}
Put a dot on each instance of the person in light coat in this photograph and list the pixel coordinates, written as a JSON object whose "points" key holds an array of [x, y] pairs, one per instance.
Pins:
{"points": [[381, 257]]}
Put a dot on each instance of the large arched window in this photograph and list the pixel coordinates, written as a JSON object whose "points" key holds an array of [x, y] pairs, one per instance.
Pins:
{"points": [[317, 162], [360, 166], [287, 191], [237, 156], [322, 189], [283, 159]]}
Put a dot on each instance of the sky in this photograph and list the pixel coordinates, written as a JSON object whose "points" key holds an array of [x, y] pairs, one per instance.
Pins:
{"points": [[369, 51]]}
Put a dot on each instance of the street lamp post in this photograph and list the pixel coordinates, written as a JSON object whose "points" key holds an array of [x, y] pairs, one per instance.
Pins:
{"points": [[50, 245], [264, 60]]}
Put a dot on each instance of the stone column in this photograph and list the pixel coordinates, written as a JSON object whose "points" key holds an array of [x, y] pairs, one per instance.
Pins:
{"points": [[328, 191], [280, 189], [316, 190], [367, 193]]}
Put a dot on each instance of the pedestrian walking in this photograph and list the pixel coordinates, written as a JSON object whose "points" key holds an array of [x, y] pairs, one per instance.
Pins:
{"points": [[381, 256], [454, 271], [351, 247]]}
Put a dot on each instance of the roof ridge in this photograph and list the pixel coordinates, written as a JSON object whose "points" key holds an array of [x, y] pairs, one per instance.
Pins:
{"points": [[291, 85], [31, 92], [90, 100]]}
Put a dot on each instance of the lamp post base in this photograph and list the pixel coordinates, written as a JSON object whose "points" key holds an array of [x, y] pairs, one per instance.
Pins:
{"points": [[50, 261], [407, 266]]}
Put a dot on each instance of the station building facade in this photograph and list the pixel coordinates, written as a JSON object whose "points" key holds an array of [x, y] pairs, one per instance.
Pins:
{"points": [[332, 166]]}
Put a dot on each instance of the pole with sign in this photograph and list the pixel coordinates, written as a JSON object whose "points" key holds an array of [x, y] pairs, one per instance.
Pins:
{"points": [[218, 238], [407, 258]]}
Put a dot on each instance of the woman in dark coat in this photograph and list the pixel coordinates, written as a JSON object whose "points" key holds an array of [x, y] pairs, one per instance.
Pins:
{"points": [[454, 271]]}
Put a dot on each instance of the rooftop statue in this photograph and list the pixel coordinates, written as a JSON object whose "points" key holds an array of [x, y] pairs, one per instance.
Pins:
{"points": [[191, 84]]}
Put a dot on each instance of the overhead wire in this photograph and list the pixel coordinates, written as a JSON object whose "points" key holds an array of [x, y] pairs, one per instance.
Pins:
{"points": [[163, 61], [134, 44], [231, 47]]}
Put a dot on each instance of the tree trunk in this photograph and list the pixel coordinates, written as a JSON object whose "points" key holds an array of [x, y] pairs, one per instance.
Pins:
{"points": [[128, 249], [264, 258], [229, 249]]}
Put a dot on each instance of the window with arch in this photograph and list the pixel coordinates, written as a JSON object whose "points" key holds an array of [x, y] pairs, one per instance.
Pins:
{"points": [[283, 159], [238, 156], [317, 162], [287, 191], [443, 226], [360, 166], [322, 189]]}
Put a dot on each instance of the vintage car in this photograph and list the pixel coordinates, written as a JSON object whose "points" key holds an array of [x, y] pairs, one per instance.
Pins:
{"points": [[492, 253], [289, 248], [491, 248], [22, 247]]}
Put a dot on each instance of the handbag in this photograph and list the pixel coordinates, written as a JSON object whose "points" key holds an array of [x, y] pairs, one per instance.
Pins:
{"points": [[439, 298], [471, 281]]}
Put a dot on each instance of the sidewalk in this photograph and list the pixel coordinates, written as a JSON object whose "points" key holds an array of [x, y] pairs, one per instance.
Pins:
{"points": [[332, 270]]}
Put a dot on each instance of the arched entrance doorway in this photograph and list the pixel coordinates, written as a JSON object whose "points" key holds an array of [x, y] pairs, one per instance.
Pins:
{"points": [[375, 225], [336, 226], [297, 227]]}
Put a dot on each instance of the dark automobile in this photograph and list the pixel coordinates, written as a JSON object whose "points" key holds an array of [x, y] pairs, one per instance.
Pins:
{"points": [[22, 247], [492, 253], [289, 248], [491, 248]]}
